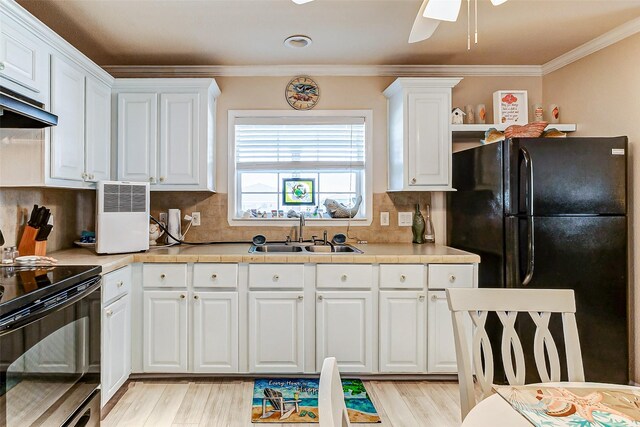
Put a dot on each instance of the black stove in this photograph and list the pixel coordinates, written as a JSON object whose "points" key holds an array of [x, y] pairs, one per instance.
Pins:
{"points": [[22, 286]]}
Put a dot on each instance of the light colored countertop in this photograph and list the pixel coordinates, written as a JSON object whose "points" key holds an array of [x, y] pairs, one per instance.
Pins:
{"points": [[374, 253]]}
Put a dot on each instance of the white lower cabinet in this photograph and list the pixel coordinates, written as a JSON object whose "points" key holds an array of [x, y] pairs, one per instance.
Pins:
{"points": [[215, 332], [276, 332], [165, 331], [344, 329], [441, 353], [403, 327], [116, 346]]}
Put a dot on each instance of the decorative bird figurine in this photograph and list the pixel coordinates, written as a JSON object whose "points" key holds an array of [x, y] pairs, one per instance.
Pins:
{"points": [[338, 210]]}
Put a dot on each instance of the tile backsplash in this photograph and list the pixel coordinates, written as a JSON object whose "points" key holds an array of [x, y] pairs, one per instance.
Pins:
{"points": [[73, 211], [215, 227]]}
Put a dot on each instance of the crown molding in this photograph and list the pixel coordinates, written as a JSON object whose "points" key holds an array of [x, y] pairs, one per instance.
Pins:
{"points": [[607, 39], [321, 70]]}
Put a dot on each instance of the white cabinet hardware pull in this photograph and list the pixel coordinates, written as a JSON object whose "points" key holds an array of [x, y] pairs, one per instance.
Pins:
{"points": [[214, 276], [109, 312], [434, 297], [84, 175], [119, 284], [152, 179], [403, 277], [413, 180], [300, 297], [1, 66], [275, 277], [320, 298], [421, 298], [182, 296], [344, 277], [452, 278], [162, 276], [162, 179], [196, 297], [92, 176]]}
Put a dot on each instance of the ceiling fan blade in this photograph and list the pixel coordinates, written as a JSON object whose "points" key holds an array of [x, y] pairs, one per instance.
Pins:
{"points": [[443, 10], [301, 1], [423, 28], [498, 2]]}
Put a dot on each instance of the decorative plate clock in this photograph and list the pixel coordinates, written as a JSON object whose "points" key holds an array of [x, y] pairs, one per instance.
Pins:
{"points": [[302, 93]]}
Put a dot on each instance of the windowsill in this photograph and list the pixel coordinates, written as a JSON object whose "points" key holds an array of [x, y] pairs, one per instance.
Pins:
{"points": [[289, 222]]}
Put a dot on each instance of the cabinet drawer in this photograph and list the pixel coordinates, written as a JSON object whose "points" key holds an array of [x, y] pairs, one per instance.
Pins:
{"points": [[215, 275], [344, 276], [276, 276], [115, 284], [403, 276], [164, 275], [442, 276]]}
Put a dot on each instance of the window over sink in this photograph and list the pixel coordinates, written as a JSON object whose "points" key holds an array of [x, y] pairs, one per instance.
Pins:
{"points": [[286, 163]]}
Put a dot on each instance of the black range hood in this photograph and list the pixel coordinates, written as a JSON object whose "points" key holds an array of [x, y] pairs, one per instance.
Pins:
{"points": [[19, 112]]}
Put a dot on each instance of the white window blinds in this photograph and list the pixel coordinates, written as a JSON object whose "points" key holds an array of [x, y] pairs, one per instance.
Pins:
{"points": [[328, 143]]}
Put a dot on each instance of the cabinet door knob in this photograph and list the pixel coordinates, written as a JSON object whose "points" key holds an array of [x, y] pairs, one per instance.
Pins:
{"points": [[403, 277], [162, 179], [84, 175], [109, 312], [434, 297], [421, 298], [344, 277], [214, 276], [413, 180], [452, 278], [152, 179], [1, 65], [162, 276], [300, 297], [182, 296], [119, 284], [275, 277], [320, 297], [196, 297], [92, 176]]}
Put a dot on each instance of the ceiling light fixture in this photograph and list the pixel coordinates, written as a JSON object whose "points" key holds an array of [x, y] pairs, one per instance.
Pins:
{"points": [[297, 41]]}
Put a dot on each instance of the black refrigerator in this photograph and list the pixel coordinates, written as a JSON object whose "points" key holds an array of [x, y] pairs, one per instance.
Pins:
{"points": [[551, 213]]}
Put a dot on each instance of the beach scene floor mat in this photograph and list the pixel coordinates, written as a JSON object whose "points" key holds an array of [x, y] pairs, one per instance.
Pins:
{"points": [[295, 400]]}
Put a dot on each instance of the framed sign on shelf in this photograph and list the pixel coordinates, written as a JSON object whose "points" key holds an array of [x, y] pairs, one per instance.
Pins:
{"points": [[510, 107]]}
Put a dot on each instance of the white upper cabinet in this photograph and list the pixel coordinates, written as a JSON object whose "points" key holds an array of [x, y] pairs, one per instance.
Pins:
{"points": [[67, 102], [166, 132], [420, 134], [97, 130], [179, 139], [24, 60], [137, 135], [37, 63]]}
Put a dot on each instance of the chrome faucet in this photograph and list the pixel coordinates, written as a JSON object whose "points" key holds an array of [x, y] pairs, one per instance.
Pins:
{"points": [[300, 228]]}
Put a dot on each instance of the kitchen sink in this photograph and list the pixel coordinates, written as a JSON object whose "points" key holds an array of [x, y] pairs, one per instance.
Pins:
{"points": [[304, 249], [275, 247]]}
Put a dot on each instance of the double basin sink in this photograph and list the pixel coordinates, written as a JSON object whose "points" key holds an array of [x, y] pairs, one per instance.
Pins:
{"points": [[303, 248]]}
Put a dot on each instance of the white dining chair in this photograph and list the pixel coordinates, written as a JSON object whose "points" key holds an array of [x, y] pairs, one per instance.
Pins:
{"points": [[331, 406], [507, 303]]}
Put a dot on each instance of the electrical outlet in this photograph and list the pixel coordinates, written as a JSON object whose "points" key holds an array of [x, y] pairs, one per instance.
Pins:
{"points": [[405, 219], [384, 218], [163, 217], [195, 219]]}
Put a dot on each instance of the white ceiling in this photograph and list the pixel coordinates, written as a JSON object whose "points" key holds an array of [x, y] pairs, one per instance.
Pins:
{"points": [[366, 32]]}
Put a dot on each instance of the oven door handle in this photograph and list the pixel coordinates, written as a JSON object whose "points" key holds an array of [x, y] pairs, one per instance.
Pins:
{"points": [[35, 316]]}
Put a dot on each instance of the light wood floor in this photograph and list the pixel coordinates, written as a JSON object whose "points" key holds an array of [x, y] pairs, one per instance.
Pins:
{"points": [[227, 403]]}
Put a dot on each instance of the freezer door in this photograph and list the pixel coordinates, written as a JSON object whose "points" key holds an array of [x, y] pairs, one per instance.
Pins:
{"points": [[566, 176], [588, 255]]}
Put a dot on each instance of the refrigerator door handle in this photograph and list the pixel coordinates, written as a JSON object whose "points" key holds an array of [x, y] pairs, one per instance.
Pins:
{"points": [[529, 188], [531, 247]]}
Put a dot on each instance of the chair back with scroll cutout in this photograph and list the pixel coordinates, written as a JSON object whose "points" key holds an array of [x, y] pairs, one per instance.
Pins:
{"points": [[507, 303]]}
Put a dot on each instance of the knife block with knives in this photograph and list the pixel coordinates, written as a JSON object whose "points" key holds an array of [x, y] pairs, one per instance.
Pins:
{"points": [[36, 232]]}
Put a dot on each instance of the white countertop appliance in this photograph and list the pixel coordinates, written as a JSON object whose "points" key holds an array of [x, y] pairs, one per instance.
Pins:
{"points": [[122, 217]]}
